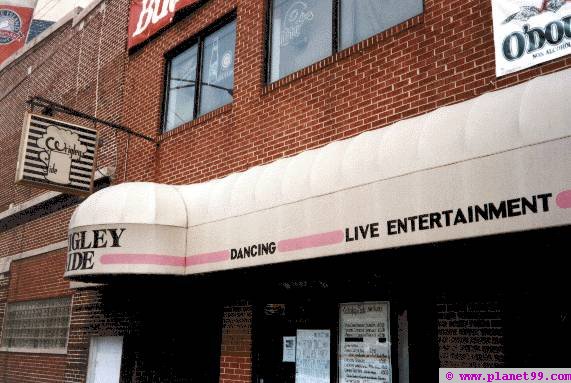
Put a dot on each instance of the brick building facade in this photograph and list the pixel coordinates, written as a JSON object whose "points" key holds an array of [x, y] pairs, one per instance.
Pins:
{"points": [[77, 62], [470, 299]]}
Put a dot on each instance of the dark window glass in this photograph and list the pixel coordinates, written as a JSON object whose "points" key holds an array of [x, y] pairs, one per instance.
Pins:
{"points": [[193, 89], [181, 91], [301, 34], [361, 19], [277, 323], [218, 69]]}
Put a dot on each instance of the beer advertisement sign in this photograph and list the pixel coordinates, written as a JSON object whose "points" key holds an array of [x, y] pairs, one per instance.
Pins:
{"points": [[530, 32], [147, 17], [56, 155], [15, 20]]}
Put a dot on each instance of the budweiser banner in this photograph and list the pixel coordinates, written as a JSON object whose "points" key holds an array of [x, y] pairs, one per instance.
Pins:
{"points": [[147, 17], [15, 19], [530, 32], [56, 155]]}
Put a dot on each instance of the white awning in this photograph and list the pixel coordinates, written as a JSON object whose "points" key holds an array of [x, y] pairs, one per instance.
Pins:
{"points": [[498, 163]]}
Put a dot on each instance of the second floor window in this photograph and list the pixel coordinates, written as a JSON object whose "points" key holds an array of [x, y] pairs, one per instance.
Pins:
{"points": [[306, 31], [200, 77]]}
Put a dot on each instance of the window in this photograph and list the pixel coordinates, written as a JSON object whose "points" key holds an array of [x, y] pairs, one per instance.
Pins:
{"points": [[306, 31], [361, 19], [37, 325], [182, 89], [285, 328], [200, 77], [301, 34], [323, 341]]}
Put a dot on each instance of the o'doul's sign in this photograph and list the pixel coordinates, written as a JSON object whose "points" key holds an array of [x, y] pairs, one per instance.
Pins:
{"points": [[530, 32], [56, 155]]}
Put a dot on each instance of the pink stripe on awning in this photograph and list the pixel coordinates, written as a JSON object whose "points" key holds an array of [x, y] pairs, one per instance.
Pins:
{"points": [[564, 199], [200, 259], [316, 240], [142, 259]]}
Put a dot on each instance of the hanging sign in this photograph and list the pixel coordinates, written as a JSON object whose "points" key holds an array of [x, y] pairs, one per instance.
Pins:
{"points": [[147, 17], [364, 343], [530, 32], [56, 155], [15, 19]]}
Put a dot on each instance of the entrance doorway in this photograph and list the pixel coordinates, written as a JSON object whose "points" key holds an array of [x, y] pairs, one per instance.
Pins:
{"points": [[177, 338], [105, 359]]}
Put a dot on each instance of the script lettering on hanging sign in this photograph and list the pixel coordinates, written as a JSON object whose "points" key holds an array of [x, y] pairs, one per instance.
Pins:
{"points": [[57, 155]]}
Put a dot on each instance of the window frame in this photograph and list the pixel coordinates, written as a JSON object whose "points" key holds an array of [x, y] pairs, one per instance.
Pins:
{"points": [[333, 305], [335, 37], [31, 350], [198, 40]]}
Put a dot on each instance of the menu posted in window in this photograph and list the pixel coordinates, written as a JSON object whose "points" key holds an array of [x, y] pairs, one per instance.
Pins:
{"points": [[313, 356], [364, 343]]}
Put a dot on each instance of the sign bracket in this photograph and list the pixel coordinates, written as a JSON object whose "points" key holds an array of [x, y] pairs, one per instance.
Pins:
{"points": [[50, 105]]}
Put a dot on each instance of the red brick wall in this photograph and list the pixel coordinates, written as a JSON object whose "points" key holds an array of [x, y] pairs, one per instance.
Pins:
{"points": [[12, 103], [82, 67], [31, 279], [70, 66], [25, 368], [37, 233], [236, 346], [39, 277], [442, 57], [470, 335]]}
